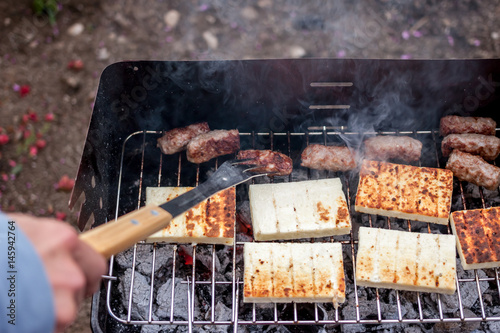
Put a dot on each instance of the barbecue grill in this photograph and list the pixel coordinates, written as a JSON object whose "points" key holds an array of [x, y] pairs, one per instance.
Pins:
{"points": [[281, 105]]}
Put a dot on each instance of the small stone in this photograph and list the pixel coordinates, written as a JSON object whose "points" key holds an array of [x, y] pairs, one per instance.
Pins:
{"points": [[495, 35], [210, 19], [7, 21], [297, 51], [211, 40], [71, 81], [103, 54], [76, 29], [122, 20], [264, 3], [122, 40], [249, 13], [172, 18]]}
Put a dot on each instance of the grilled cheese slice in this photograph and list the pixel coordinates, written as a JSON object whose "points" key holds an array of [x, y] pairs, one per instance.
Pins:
{"points": [[293, 272], [404, 191], [406, 261], [210, 222], [314, 208], [477, 233]]}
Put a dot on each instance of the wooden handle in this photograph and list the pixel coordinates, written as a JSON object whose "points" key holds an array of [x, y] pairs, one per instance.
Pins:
{"points": [[115, 237]]}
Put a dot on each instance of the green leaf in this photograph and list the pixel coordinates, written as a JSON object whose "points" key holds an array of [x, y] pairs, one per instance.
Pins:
{"points": [[17, 169], [38, 6]]}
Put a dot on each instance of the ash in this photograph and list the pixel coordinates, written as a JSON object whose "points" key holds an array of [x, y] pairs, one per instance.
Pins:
{"points": [[144, 258], [180, 300], [140, 293]]}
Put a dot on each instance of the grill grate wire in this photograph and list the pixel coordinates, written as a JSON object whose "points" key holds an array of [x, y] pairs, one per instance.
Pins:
{"points": [[320, 133]]}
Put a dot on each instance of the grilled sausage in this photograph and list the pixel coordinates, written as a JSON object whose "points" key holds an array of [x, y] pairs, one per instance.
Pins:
{"points": [[333, 158], [212, 144], [474, 169], [272, 162], [461, 125], [486, 146], [177, 139], [386, 147]]}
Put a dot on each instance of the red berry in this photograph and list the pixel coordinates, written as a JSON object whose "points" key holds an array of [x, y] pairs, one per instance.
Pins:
{"points": [[75, 64], [4, 138], [40, 143], [49, 117], [24, 90], [65, 184], [32, 116], [60, 216], [33, 151]]}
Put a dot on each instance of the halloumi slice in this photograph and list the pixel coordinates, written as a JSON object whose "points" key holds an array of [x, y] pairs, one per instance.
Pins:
{"points": [[404, 191], [293, 272], [314, 208], [406, 261], [477, 232], [210, 222]]}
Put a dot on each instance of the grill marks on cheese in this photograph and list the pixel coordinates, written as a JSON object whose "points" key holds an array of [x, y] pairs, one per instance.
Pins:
{"points": [[406, 261], [477, 232], [404, 191], [315, 208], [211, 221], [298, 272]]}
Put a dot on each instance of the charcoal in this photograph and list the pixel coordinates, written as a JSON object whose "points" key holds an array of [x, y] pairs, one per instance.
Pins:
{"points": [[412, 329], [163, 256], [225, 256], [204, 255], [140, 294], [124, 259], [396, 328], [353, 328], [243, 214], [493, 326], [180, 306], [170, 329], [222, 312], [276, 329], [468, 291], [144, 258], [444, 327], [218, 328], [152, 329]]}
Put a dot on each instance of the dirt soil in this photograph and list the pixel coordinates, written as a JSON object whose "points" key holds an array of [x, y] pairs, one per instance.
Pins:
{"points": [[52, 70]]}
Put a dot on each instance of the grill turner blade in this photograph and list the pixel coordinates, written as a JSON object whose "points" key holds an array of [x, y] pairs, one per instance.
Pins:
{"points": [[114, 237]]}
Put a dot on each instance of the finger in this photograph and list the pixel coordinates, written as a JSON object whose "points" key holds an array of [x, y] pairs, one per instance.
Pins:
{"points": [[92, 264], [66, 309]]}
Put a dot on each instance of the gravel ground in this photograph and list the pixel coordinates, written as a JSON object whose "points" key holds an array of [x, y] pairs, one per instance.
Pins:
{"points": [[53, 69]]}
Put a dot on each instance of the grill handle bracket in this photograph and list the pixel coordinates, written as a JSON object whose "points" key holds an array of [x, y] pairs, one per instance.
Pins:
{"points": [[117, 236]]}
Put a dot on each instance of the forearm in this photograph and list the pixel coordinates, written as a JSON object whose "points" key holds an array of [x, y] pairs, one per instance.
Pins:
{"points": [[25, 293]]}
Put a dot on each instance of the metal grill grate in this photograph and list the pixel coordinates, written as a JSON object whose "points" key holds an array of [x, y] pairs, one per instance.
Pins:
{"points": [[196, 284]]}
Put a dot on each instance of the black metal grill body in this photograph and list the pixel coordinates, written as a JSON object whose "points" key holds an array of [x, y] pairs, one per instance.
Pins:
{"points": [[276, 104]]}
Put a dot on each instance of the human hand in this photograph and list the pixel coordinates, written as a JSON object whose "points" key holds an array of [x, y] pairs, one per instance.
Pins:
{"points": [[73, 268]]}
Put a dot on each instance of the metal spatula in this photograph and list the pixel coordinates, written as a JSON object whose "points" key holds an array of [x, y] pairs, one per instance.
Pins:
{"points": [[114, 237]]}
